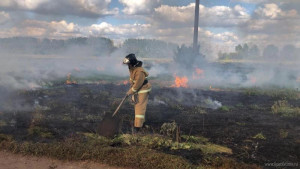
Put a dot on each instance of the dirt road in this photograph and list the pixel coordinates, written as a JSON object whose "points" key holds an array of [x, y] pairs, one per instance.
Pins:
{"points": [[17, 161]]}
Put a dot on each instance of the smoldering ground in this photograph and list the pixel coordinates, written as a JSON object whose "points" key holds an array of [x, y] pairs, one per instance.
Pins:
{"points": [[31, 71]]}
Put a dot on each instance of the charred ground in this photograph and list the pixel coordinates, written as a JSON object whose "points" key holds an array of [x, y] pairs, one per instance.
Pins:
{"points": [[247, 123]]}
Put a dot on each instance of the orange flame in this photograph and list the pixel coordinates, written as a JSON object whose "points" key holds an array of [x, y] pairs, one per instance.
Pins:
{"points": [[69, 81], [125, 82], [77, 69], [180, 82], [99, 68], [199, 73], [253, 79], [214, 89]]}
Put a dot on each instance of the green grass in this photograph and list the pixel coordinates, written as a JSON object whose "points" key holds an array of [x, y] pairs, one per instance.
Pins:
{"points": [[283, 108], [280, 93], [225, 108]]}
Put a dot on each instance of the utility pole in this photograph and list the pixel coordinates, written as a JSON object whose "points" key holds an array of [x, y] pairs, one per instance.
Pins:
{"points": [[196, 25]]}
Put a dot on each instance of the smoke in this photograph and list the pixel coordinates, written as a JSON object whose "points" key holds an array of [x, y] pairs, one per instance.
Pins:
{"points": [[22, 69]]}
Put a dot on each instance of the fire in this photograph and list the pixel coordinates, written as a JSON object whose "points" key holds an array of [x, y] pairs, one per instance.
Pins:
{"points": [[180, 81], [214, 89], [99, 68], [69, 81], [253, 79], [199, 73], [125, 82], [77, 69]]}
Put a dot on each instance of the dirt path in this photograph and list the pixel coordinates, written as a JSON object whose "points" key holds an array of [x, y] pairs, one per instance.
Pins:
{"points": [[17, 161]]}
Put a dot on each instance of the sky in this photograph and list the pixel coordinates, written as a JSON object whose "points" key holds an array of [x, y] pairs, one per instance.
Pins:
{"points": [[223, 23]]}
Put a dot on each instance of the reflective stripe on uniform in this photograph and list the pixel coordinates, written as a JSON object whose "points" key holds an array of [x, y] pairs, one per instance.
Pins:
{"points": [[133, 90], [145, 91], [140, 116]]}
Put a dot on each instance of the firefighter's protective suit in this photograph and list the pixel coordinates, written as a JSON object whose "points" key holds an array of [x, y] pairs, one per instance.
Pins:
{"points": [[140, 88]]}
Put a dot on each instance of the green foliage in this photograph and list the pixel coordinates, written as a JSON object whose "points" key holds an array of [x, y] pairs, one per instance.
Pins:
{"points": [[283, 108], [225, 108], [259, 136]]}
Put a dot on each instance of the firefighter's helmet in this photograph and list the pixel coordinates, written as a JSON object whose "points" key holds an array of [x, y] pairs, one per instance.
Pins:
{"points": [[130, 59]]}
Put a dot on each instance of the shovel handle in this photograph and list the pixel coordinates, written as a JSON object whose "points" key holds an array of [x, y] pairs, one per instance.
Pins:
{"points": [[120, 105]]}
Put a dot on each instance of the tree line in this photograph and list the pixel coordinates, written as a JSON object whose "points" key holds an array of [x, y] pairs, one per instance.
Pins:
{"points": [[92, 46], [271, 51]]}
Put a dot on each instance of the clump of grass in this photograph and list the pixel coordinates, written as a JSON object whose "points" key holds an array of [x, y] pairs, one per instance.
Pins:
{"points": [[283, 133], [255, 107], [225, 108], [239, 105], [39, 132], [4, 137], [259, 136], [283, 108], [168, 129]]}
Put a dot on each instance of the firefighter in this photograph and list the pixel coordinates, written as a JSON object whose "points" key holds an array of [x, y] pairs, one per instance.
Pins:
{"points": [[139, 90]]}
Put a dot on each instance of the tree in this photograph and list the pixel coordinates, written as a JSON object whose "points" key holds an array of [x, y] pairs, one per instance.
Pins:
{"points": [[245, 50], [254, 51], [271, 51], [239, 48], [289, 51]]}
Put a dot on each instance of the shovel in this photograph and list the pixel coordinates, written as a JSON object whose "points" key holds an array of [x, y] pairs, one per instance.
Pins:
{"points": [[118, 108]]}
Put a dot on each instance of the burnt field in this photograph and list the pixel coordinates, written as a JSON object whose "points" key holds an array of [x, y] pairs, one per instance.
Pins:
{"points": [[185, 128]]}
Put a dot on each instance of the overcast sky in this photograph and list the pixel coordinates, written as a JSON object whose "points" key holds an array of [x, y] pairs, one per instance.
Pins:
{"points": [[223, 23]]}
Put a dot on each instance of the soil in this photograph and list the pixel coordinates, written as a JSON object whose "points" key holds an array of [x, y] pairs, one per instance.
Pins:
{"points": [[73, 108], [17, 161]]}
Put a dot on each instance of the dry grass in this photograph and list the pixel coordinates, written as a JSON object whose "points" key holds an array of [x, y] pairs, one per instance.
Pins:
{"points": [[126, 151]]}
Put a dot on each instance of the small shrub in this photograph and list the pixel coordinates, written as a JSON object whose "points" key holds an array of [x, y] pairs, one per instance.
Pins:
{"points": [[259, 136], [168, 129]]}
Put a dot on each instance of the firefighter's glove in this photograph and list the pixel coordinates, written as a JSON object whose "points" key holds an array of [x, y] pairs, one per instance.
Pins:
{"points": [[130, 92]]}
